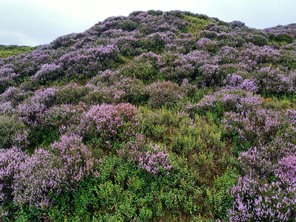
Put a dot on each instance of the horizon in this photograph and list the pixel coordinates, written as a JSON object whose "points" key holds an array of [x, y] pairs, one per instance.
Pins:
{"points": [[33, 23]]}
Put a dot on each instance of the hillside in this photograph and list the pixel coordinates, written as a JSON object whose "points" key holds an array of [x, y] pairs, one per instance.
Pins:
{"points": [[157, 116]]}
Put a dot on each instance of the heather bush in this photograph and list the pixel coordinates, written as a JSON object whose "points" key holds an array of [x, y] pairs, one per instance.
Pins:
{"points": [[44, 96], [6, 108], [256, 55], [123, 90], [109, 123], [258, 200], [134, 90], [237, 81], [163, 94], [64, 41], [258, 126], [32, 111], [10, 165], [286, 169], [47, 72], [261, 160], [149, 157], [40, 174], [76, 159], [153, 43], [275, 81], [176, 67], [227, 99], [14, 95], [7, 77], [29, 63], [46, 173], [107, 77], [211, 75], [88, 61], [227, 55], [208, 45]]}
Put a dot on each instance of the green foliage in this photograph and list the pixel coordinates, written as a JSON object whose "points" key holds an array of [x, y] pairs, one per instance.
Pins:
{"points": [[6, 51], [281, 38], [42, 136], [163, 94], [195, 24], [122, 192], [70, 94], [154, 44], [147, 72], [219, 199], [10, 129]]}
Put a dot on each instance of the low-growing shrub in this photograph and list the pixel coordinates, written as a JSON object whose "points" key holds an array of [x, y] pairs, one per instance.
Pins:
{"points": [[163, 94], [12, 131], [109, 123], [46, 173]]}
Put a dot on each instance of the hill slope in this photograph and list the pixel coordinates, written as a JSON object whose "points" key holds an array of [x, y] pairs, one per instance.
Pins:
{"points": [[158, 116]]}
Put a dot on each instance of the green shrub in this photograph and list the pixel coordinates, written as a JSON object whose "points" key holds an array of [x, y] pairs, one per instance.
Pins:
{"points": [[12, 131], [71, 94], [163, 94]]}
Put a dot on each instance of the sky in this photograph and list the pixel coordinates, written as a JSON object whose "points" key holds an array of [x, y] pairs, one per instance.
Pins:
{"points": [[36, 22]]}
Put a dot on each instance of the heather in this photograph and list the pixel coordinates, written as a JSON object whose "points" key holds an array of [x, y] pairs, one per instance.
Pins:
{"points": [[157, 116]]}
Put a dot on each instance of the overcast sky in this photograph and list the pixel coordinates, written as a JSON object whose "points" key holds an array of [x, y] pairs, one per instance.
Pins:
{"points": [[35, 22]]}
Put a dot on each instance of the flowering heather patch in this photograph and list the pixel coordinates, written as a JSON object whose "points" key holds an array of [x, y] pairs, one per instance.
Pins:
{"points": [[154, 160], [6, 108], [50, 172], [44, 96], [10, 165], [110, 122], [233, 81], [276, 81], [229, 99], [7, 77], [89, 60], [39, 175], [254, 200], [262, 160], [255, 55], [32, 112], [151, 158], [47, 72], [28, 64], [14, 95], [76, 159], [255, 125]]}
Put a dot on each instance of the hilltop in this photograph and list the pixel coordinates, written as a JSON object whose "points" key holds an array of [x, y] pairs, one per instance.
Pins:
{"points": [[157, 116]]}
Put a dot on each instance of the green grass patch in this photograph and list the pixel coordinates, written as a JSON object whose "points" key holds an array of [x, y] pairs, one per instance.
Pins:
{"points": [[10, 50]]}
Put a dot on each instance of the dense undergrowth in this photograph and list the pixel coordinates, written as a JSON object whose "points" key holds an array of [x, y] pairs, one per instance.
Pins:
{"points": [[158, 116]]}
